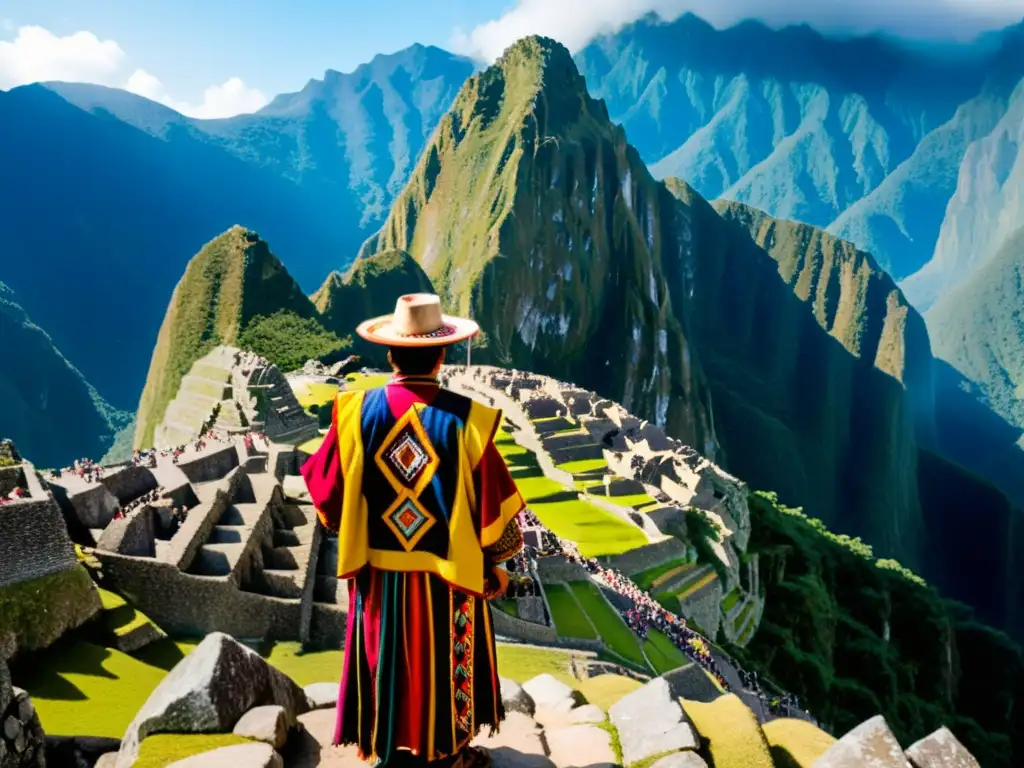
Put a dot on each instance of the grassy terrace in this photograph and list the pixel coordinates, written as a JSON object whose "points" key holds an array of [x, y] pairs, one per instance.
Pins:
{"points": [[616, 634], [595, 531], [663, 655], [654, 577], [733, 733], [570, 620]]}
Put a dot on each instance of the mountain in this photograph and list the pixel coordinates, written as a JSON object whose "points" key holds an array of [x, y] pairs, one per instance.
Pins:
{"points": [[862, 136], [531, 213], [987, 207], [314, 171], [50, 410], [368, 289], [979, 329], [783, 351], [234, 292]]}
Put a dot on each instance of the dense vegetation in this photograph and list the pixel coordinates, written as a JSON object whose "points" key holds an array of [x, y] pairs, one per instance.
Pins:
{"points": [[854, 636], [50, 411], [368, 289], [288, 340], [234, 286]]}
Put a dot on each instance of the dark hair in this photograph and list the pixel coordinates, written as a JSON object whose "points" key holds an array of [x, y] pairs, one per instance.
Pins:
{"points": [[415, 361]]}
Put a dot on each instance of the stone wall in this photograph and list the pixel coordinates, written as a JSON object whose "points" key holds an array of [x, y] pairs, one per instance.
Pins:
{"points": [[211, 465], [532, 609], [94, 507], [11, 478], [705, 608], [182, 603], [557, 568], [133, 535], [22, 741], [129, 482], [645, 557], [34, 540], [327, 626], [510, 626]]}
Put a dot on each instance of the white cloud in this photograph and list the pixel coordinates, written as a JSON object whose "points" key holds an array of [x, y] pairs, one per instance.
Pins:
{"points": [[233, 97], [37, 55], [576, 22]]}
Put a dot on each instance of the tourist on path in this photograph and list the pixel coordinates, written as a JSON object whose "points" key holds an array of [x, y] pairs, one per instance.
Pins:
{"points": [[426, 512]]}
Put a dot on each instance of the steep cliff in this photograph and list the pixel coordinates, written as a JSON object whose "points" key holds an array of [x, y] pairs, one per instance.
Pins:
{"points": [[368, 289], [234, 292], [49, 409], [986, 209], [819, 370], [530, 212]]}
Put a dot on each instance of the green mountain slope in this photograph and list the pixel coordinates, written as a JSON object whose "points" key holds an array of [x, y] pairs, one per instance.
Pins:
{"points": [[979, 329], [368, 289], [819, 370], [987, 208], [50, 411], [530, 212], [785, 351], [803, 126], [314, 172], [234, 292]]}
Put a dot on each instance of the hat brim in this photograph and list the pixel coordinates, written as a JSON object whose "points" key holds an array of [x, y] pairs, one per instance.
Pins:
{"points": [[453, 330]]}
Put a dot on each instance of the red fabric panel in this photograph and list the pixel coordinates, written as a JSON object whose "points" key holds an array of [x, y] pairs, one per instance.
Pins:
{"points": [[494, 485], [412, 729], [322, 472]]}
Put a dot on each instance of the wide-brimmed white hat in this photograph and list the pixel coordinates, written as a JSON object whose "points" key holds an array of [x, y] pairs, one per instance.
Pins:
{"points": [[417, 322]]}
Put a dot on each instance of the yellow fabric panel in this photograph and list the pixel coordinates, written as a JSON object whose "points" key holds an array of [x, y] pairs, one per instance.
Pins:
{"points": [[510, 507], [353, 534], [480, 428]]}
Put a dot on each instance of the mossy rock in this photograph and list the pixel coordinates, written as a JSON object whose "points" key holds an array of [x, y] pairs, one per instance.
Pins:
{"points": [[36, 613]]}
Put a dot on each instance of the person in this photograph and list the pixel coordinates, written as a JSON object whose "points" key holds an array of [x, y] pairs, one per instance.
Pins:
{"points": [[425, 510]]}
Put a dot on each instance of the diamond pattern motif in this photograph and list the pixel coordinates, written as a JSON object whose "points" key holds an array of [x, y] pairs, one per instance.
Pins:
{"points": [[408, 521], [406, 458]]}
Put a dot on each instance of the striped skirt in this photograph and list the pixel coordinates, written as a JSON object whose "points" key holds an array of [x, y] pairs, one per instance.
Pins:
{"points": [[420, 671]]}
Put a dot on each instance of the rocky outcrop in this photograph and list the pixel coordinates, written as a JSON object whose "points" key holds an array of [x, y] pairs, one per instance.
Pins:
{"points": [[209, 691], [940, 750], [651, 722], [237, 755]]}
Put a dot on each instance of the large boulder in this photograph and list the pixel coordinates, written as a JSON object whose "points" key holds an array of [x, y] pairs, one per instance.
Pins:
{"points": [[322, 695], [268, 724], [651, 722], [548, 692], [515, 698], [208, 691], [870, 745], [681, 760], [253, 755], [941, 749]]}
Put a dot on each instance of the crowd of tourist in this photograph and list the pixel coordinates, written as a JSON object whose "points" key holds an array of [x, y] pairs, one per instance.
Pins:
{"points": [[642, 613]]}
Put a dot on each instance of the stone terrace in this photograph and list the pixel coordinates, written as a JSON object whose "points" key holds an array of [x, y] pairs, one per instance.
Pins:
{"points": [[249, 559]]}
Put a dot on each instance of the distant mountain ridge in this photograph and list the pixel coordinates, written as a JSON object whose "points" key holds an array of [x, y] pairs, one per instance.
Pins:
{"points": [[860, 136]]}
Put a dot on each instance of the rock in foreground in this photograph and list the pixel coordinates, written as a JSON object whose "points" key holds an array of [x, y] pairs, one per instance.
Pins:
{"points": [[208, 691], [870, 745], [651, 722], [236, 756]]}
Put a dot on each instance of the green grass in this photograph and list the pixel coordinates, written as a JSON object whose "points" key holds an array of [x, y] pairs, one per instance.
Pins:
{"points": [[613, 630], [82, 689], [162, 749], [795, 743], [648, 578], [570, 620], [733, 734], [730, 600], [364, 381], [120, 617], [663, 655], [596, 531], [315, 393], [632, 501], [507, 605], [744, 613], [583, 465]]}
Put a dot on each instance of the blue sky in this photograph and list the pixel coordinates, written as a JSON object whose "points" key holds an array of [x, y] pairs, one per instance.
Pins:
{"points": [[214, 58], [190, 44]]}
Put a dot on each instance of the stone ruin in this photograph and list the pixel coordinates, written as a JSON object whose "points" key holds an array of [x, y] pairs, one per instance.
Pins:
{"points": [[34, 545], [249, 558], [580, 425], [234, 392]]}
